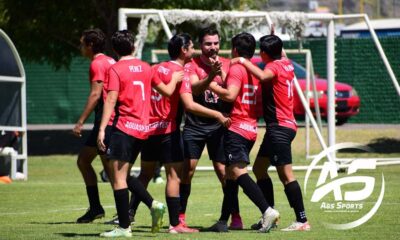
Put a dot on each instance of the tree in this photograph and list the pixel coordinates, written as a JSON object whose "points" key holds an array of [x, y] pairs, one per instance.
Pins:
{"points": [[49, 31]]}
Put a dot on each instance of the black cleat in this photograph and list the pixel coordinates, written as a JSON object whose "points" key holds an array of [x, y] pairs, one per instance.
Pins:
{"points": [[91, 215]]}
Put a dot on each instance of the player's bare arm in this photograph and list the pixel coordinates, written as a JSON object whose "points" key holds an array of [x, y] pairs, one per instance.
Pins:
{"points": [[227, 94], [199, 86], [195, 108], [262, 75], [168, 89], [108, 109], [93, 98]]}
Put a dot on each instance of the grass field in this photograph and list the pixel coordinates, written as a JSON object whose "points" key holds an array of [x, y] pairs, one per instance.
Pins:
{"points": [[47, 205]]}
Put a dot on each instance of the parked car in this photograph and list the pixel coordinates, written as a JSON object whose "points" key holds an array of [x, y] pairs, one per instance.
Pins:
{"points": [[347, 100]]}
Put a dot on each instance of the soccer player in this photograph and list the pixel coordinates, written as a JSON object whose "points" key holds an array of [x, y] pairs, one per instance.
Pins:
{"points": [[241, 89], [92, 46], [275, 150], [199, 131], [165, 143], [129, 89]]}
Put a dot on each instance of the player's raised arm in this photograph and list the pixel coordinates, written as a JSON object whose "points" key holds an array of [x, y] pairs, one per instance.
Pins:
{"points": [[168, 89], [199, 86], [262, 75]]}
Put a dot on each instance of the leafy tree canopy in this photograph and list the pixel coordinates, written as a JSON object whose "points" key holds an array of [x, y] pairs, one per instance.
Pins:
{"points": [[49, 31]]}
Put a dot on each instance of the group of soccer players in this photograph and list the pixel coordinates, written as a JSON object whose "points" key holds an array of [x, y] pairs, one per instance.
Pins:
{"points": [[138, 109]]}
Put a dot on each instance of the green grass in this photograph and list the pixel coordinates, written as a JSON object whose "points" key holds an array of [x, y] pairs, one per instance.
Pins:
{"points": [[47, 205]]}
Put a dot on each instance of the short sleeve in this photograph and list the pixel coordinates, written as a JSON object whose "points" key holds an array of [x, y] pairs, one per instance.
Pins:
{"points": [[155, 80], [235, 76], [272, 67], [97, 72], [113, 80]]}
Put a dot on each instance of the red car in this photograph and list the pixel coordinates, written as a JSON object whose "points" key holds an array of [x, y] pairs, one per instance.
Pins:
{"points": [[347, 100]]}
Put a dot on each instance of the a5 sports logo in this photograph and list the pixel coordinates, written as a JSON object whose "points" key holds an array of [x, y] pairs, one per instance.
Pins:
{"points": [[345, 201]]}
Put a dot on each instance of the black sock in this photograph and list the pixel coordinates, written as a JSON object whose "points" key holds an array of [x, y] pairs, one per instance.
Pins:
{"points": [[267, 189], [251, 189], [134, 204], [227, 204], [136, 187], [295, 198], [173, 204], [184, 193], [235, 198], [93, 196], [122, 204]]}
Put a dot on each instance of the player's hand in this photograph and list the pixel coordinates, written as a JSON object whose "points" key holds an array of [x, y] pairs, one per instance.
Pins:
{"points": [[100, 141], [78, 129], [272, 29], [178, 76], [235, 60], [225, 121], [216, 66]]}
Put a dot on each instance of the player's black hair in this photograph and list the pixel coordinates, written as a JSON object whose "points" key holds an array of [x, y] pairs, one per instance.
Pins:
{"points": [[207, 31], [176, 43], [272, 45], [123, 42], [95, 38], [245, 44]]}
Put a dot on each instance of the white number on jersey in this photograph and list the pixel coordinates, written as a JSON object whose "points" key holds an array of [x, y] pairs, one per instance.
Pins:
{"points": [[141, 85], [249, 94]]}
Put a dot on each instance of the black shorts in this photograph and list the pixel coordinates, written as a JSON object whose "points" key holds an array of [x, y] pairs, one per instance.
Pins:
{"points": [[91, 141], [195, 139], [276, 145], [123, 147], [107, 137], [164, 148], [237, 148]]}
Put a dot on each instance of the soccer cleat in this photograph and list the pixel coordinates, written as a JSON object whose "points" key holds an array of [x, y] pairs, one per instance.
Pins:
{"points": [[115, 220], [298, 226], [219, 226], [91, 215], [157, 212], [182, 219], [236, 222], [181, 229], [269, 218], [118, 232], [258, 225]]}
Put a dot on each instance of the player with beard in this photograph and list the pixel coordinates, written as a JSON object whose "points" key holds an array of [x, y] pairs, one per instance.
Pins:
{"points": [[200, 131]]}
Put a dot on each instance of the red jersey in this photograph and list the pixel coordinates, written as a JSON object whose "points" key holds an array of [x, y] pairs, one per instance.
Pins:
{"points": [[98, 71], [278, 95], [99, 67], [244, 117], [132, 79], [208, 98], [163, 111]]}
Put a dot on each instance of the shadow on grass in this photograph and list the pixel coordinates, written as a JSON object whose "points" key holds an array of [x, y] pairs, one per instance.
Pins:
{"points": [[53, 223], [379, 145], [73, 235], [97, 235]]}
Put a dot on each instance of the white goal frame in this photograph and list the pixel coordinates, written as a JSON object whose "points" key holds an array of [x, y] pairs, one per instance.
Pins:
{"points": [[160, 15]]}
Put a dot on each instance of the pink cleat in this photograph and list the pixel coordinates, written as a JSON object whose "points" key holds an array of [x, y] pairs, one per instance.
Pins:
{"points": [[236, 222], [182, 219], [181, 229]]}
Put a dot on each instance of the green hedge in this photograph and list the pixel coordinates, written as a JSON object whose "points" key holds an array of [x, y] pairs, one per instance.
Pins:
{"points": [[57, 97]]}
